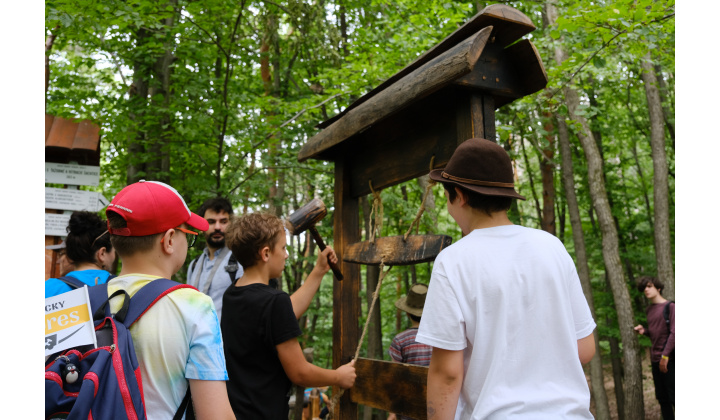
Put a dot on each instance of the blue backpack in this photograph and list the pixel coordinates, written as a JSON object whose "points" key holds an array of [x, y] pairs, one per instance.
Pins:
{"points": [[104, 382]]}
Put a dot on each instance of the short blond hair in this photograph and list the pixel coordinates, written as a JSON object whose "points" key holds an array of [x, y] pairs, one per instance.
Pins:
{"points": [[247, 235]]}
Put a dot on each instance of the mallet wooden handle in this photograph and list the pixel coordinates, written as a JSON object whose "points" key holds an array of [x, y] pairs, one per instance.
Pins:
{"points": [[318, 240]]}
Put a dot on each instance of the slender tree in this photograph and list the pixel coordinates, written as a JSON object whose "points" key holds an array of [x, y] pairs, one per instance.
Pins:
{"points": [[633, 391], [663, 247]]}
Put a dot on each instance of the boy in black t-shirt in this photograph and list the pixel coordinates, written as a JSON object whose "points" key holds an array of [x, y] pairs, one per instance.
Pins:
{"points": [[259, 323]]}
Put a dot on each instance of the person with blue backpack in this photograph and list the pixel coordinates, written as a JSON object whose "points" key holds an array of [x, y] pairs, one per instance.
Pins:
{"points": [[88, 246], [160, 352]]}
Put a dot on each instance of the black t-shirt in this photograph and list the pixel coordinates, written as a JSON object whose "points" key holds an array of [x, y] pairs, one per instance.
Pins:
{"points": [[255, 319]]}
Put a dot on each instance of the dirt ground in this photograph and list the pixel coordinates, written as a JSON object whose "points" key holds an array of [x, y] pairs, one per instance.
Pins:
{"points": [[652, 409]]}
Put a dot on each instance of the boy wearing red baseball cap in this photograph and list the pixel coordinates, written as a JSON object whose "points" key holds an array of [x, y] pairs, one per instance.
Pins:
{"points": [[505, 314], [178, 340]]}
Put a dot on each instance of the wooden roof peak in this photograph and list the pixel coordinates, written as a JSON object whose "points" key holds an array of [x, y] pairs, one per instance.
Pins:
{"points": [[509, 25], [482, 55]]}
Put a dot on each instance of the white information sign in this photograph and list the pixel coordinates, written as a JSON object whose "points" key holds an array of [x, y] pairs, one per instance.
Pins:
{"points": [[66, 199], [63, 173], [56, 224], [68, 322]]}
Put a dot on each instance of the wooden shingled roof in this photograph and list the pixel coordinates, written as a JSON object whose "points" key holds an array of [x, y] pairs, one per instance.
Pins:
{"points": [[511, 25], [71, 141], [486, 55]]}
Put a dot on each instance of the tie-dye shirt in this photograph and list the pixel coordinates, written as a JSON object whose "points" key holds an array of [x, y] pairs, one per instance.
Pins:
{"points": [[176, 340]]}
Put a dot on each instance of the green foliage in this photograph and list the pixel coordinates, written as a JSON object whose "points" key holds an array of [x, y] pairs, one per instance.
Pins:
{"points": [[248, 81]]}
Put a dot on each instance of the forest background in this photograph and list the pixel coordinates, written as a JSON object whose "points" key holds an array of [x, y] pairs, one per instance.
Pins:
{"points": [[216, 98]]}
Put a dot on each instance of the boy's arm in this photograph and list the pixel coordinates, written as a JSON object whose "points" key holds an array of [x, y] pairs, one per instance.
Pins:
{"points": [[210, 400], [301, 372], [586, 348], [444, 381], [303, 296]]}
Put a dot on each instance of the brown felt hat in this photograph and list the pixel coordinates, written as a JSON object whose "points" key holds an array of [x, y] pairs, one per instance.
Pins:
{"points": [[482, 166], [414, 302]]}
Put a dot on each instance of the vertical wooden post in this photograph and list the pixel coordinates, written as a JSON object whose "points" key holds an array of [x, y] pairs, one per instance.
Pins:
{"points": [[488, 112], [346, 293], [472, 118]]}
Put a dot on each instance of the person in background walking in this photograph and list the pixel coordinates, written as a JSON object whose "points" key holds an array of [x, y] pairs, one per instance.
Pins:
{"points": [[661, 330]]}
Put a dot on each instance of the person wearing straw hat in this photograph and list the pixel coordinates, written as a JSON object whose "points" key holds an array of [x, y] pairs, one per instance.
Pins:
{"points": [[404, 348], [505, 313]]}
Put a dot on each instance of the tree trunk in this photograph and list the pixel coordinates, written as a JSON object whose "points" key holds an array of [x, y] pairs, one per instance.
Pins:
{"points": [[532, 182], [663, 247], [429, 202], [159, 167], [617, 376], [668, 114], [634, 407], [547, 171], [602, 408], [138, 93]]}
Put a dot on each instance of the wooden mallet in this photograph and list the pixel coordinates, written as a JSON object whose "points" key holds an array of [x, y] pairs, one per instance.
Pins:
{"points": [[304, 219]]}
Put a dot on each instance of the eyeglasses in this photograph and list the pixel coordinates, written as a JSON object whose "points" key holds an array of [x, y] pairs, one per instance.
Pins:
{"points": [[191, 236]]}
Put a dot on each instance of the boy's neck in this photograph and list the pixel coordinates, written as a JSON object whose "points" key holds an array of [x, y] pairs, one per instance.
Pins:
{"points": [[477, 219], [253, 275], [146, 263]]}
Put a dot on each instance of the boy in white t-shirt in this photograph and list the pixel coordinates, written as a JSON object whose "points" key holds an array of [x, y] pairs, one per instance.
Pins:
{"points": [[505, 313], [177, 342]]}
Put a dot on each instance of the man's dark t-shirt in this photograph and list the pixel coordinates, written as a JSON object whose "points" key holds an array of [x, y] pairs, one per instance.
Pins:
{"points": [[661, 335], [255, 319]]}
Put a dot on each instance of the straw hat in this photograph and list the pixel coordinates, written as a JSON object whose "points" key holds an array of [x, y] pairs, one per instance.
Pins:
{"points": [[414, 301]]}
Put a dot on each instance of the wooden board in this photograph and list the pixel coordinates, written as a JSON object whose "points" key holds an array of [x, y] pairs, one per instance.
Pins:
{"points": [[441, 71], [395, 250], [396, 387]]}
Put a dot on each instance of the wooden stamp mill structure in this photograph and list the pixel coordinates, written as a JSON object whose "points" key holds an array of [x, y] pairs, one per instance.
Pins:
{"points": [[389, 136]]}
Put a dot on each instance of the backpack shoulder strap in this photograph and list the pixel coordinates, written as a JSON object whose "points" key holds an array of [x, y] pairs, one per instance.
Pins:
{"points": [[666, 312], [71, 281], [232, 267], [193, 263], [147, 296]]}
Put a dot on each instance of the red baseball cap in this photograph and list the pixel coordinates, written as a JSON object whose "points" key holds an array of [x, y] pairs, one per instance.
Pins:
{"points": [[151, 207]]}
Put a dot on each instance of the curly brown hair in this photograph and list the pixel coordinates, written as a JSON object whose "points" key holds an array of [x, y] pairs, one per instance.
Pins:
{"points": [[247, 235]]}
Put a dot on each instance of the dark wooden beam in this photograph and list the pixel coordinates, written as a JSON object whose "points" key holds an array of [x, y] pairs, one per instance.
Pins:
{"points": [[346, 293], [396, 387], [507, 74], [428, 78], [399, 149], [488, 112]]}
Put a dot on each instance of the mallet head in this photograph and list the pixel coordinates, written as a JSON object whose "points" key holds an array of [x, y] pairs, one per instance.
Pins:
{"points": [[306, 216]]}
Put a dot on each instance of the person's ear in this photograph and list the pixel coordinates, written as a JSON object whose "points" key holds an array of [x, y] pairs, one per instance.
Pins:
{"points": [[167, 242], [265, 253], [101, 256], [460, 197]]}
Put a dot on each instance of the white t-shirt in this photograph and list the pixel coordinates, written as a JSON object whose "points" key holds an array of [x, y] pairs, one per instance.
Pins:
{"points": [[177, 339], [510, 297]]}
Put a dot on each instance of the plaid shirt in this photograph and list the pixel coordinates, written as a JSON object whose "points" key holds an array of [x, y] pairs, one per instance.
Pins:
{"points": [[405, 349]]}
